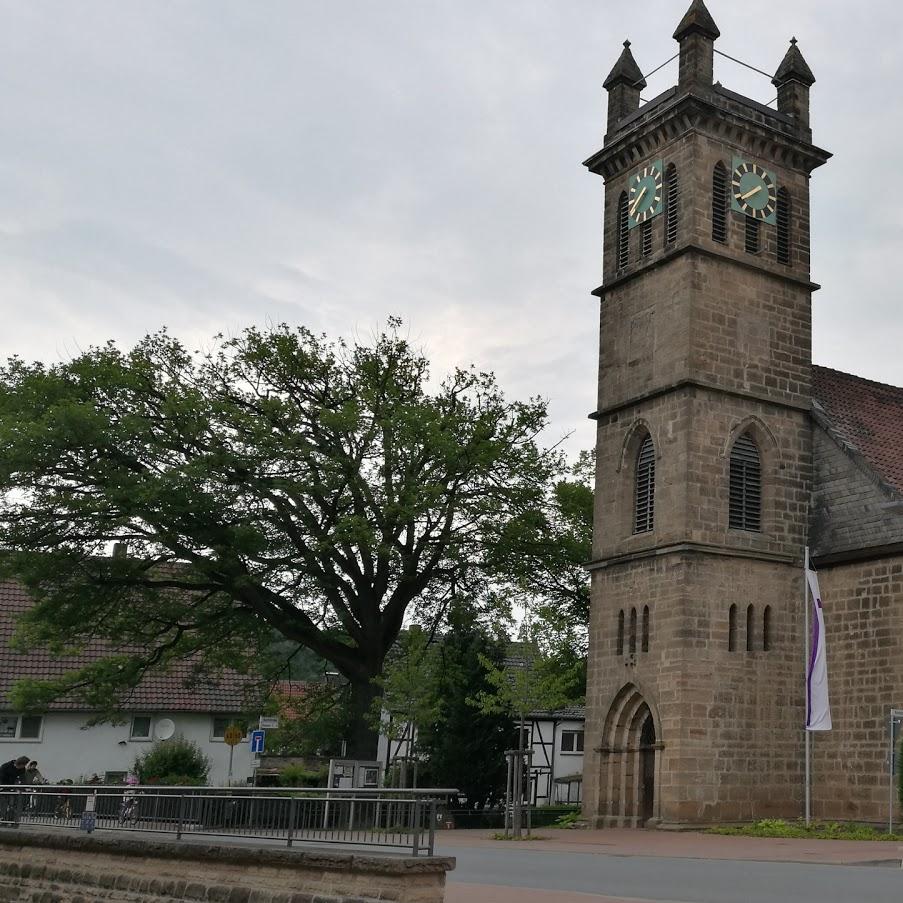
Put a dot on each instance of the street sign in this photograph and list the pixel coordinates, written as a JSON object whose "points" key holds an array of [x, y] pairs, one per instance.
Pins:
{"points": [[270, 722], [257, 740], [233, 734]]}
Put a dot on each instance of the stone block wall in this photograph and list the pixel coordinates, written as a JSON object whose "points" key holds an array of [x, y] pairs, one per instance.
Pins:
{"points": [[863, 606], [76, 868]]}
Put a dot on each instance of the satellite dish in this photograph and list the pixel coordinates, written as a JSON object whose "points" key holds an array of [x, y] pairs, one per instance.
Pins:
{"points": [[164, 728]]}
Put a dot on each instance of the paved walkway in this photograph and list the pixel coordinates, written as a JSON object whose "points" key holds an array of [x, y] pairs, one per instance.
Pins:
{"points": [[638, 843]]}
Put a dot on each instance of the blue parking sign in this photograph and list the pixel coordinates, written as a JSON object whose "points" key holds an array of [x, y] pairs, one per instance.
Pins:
{"points": [[257, 740]]}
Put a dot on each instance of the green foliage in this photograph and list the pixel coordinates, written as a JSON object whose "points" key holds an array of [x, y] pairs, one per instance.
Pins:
{"points": [[278, 482], [299, 776], [173, 761], [776, 827], [463, 747], [526, 682], [569, 819], [311, 725], [408, 682]]}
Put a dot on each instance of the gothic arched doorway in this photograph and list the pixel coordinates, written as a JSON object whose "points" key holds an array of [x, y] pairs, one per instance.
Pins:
{"points": [[629, 762]]}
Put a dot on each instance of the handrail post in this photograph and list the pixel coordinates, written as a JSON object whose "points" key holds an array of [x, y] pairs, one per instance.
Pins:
{"points": [[433, 814], [181, 816], [292, 801], [415, 819]]}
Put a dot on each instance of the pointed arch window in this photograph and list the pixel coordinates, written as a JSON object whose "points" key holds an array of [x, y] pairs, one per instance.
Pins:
{"points": [[783, 226], [766, 629], [745, 490], [646, 238], [621, 632], [732, 629], [672, 197], [623, 233], [644, 646], [644, 489], [751, 241], [719, 203], [632, 631], [750, 627]]}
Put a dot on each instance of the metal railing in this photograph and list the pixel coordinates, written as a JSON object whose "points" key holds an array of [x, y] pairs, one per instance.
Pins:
{"points": [[400, 819]]}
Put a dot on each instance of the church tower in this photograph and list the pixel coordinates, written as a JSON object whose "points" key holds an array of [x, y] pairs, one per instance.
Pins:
{"points": [[704, 462]]}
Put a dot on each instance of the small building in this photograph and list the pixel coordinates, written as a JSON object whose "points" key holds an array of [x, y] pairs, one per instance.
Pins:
{"points": [[65, 746], [556, 772]]}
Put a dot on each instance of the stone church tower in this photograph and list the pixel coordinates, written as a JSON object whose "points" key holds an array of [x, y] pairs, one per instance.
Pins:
{"points": [[695, 694]]}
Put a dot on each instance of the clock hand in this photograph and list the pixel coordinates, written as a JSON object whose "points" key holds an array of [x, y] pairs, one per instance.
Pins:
{"points": [[639, 198], [751, 192]]}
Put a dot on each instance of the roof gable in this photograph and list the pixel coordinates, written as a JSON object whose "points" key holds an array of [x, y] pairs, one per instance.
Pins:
{"points": [[867, 416], [176, 690]]}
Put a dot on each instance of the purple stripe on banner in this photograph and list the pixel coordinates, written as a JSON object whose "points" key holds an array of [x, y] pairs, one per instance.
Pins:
{"points": [[812, 655]]}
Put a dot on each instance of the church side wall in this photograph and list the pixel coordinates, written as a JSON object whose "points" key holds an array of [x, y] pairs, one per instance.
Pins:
{"points": [[864, 636]]}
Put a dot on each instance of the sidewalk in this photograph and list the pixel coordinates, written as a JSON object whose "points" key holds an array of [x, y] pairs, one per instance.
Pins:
{"points": [[683, 845]]}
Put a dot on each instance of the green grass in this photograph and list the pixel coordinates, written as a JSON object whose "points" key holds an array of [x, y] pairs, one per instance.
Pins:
{"points": [[776, 827]]}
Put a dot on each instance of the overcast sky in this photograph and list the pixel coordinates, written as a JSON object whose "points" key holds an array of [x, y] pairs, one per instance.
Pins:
{"points": [[205, 165]]}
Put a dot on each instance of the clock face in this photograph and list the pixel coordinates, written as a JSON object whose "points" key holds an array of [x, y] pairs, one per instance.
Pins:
{"points": [[644, 194], [753, 191]]}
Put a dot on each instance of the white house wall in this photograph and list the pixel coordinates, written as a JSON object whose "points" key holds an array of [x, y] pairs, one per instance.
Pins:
{"points": [[68, 749]]}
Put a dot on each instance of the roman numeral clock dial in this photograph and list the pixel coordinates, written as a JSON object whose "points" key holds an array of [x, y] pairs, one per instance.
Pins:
{"points": [[753, 191], [644, 194]]}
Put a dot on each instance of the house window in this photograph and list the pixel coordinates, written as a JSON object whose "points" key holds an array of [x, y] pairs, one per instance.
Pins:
{"points": [[141, 727], [632, 631], [572, 741], [719, 203], [766, 629], [621, 632], [221, 722], [732, 629], [645, 640], [745, 491], [672, 192], [623, 233], [750, 619], [644, 491], [21, 727]]}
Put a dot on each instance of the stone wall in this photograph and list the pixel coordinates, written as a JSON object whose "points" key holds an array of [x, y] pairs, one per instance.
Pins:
{"points": [[864, 636], [76, 868]]}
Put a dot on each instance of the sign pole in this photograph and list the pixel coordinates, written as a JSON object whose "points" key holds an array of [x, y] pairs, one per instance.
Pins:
{"points": [[231, 754], [807, 732], [890, 782]]}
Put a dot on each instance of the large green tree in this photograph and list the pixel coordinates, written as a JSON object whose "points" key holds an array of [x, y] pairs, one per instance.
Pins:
{"points": [[279, 481]]}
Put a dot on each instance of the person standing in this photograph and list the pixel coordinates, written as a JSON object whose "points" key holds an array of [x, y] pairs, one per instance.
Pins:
{"points": [[12, 772]]}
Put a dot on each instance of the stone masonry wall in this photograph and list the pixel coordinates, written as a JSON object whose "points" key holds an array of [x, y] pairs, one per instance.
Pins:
{"points": [[76, 868], [863, 606], [729, 721]]}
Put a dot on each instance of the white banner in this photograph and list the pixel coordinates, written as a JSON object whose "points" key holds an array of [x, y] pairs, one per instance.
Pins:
{"points": [[818, 708]]}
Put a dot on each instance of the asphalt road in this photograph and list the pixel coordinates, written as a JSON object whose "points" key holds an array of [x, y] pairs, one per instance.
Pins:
{"points": [[678, 880]]}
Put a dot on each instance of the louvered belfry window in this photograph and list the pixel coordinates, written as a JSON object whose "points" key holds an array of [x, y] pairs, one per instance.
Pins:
{"points": [[646, 238], [623, 233], [745, 504], [752, 236], [783, 230], [719, 203], [672, 190], [644, 497]]}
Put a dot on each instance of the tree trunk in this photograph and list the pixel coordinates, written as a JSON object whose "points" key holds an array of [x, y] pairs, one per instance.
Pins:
{"points": [[362, 738]]}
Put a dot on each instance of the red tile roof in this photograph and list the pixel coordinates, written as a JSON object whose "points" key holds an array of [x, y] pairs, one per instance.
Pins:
{"points": [[868, 415], [177, 690]]}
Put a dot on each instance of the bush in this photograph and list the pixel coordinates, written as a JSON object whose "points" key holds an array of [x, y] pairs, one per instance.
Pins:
{"points": [[299, 776], [174, 761]]}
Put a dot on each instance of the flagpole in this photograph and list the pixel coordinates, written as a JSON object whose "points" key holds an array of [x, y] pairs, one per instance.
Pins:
{"points": [[806, 732]]}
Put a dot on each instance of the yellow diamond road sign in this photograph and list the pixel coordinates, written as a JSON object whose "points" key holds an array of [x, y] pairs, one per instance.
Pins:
{"points": [[233, 735]]}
